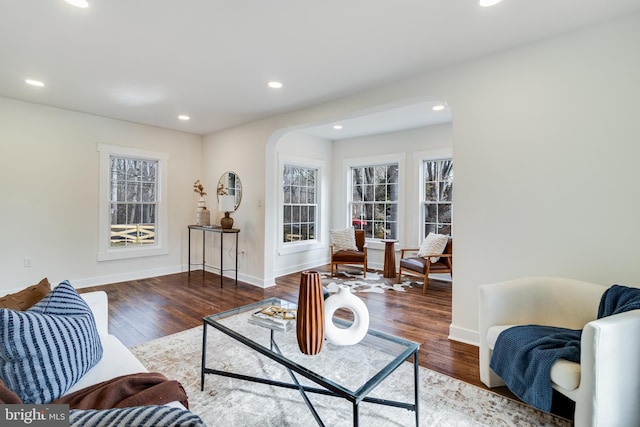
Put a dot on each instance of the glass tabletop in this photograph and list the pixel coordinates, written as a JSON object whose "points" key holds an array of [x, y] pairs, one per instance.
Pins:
{"points": [[362, 366]]}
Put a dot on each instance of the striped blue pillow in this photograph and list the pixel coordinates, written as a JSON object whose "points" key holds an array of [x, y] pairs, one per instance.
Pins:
{"points": [[45, 350], [139, 416]]}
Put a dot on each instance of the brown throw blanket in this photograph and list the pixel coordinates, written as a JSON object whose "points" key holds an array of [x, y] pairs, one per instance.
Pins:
{"points": [[146, 388], [7, 397]]}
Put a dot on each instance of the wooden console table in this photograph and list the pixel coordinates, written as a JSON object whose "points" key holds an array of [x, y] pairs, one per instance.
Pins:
{"points": [[221, 231]]}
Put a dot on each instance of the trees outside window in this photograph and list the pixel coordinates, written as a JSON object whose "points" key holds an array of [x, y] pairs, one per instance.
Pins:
{"points": [[133, 200], [374, 200], [300, 207], [438, 196]]}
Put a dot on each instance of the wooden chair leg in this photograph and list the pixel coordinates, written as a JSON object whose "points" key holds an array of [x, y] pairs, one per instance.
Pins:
{"points": [[426, 279], [399, 274]]}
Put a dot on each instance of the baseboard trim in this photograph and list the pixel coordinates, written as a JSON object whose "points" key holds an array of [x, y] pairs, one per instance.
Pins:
{"points": [[123, 277], [251, 280], [464, 335], [300, 267], [145, 274]]}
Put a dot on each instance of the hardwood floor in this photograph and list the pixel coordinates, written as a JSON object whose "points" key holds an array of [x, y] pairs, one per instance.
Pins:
{"points": [[142, 310]]}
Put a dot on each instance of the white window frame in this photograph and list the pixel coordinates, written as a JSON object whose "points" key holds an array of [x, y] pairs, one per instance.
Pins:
{"points": [[105, 251], [400, 159], [285, 248], [434, 155]]}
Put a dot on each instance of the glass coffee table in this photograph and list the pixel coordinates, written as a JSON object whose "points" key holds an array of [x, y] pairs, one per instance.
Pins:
{"points": [[363, 366]]}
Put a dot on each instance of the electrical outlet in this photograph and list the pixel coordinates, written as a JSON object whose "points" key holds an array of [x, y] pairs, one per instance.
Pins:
{"points": [[28, 262]]}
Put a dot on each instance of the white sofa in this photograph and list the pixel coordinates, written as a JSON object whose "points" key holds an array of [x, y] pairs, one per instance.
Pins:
{"points": [[116, 360], [605, 385]]}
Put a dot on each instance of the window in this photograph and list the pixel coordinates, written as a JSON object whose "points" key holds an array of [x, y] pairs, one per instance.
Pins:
{"points": [[133, 212], [132, 196], [374, 200], [438, 192], [300, 207]]}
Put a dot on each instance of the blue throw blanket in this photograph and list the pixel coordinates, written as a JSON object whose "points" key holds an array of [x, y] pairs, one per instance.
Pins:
{"points": [[618, 299], [523, 355]]}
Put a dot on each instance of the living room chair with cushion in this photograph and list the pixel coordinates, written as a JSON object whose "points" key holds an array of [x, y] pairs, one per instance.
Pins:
{"points": [[348, 247], [435, 255], [605, 384]]}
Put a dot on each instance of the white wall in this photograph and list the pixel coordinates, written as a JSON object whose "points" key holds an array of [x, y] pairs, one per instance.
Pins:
{"points": [[545, 150], [546, 155], [306, 150], [49, 186], [241, 151]]}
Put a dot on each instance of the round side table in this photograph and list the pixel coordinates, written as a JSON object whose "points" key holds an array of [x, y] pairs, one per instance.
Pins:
{"points": [[389, 258]]}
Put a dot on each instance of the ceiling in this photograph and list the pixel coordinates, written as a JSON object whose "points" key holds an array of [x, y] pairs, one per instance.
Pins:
{"points": [[150, 61], [411, 116]]}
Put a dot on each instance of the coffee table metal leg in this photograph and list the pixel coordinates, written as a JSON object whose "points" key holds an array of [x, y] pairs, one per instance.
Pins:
{"points": [[416, 386], [204, 355], [356, 415], [303, 393], [306, 399], [300, 387]]}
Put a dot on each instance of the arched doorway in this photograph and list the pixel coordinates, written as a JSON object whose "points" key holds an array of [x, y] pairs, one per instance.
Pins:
{"points": [[406, 119]]}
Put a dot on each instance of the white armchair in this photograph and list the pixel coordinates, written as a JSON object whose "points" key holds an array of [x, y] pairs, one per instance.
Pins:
{"points": [[605, 385]]}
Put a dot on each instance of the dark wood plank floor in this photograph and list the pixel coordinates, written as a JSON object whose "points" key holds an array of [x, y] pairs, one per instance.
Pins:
{"points": [[142, 310]]}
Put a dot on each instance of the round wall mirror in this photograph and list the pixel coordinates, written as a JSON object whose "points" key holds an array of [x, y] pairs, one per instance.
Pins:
{"points": [[230, 185]]}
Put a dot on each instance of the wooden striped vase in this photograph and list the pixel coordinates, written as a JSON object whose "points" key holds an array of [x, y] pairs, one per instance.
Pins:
{"points": [[310, 316]]}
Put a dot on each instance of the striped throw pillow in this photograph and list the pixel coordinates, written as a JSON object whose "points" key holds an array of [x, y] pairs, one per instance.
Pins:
{"points": [[48, 348], [139, 416]]}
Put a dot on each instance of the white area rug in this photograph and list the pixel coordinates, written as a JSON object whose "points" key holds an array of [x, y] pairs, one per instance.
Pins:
{"points": [[444, 401], [374, 282]]}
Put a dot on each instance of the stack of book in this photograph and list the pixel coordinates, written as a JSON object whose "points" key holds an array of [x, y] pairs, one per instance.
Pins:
{"points": [[274, 317]]}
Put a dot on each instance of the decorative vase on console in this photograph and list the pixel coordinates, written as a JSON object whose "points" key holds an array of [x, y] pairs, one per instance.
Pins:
{"points": [[226, 204], [358, 329], [310, 316], [203, 216]]}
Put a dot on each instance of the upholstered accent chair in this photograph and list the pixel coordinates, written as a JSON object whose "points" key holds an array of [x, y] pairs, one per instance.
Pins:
{"points": [[352, 256], [411, 263], [605, 384]]}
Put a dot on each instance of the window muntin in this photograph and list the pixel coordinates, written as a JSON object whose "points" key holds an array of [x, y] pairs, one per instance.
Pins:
{"points": [[438, 196], [374, 200], [300, 207], [133, 189]]}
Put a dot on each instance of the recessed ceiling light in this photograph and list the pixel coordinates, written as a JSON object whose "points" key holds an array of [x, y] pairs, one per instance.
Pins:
{"points": [[337, 127], [34, 82], [184, 117], [488, 3], [78, 3], [438, 107], [275, 85]]}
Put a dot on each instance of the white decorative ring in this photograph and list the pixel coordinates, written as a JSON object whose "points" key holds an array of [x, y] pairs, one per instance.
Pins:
{"points": [[354, 333]]}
